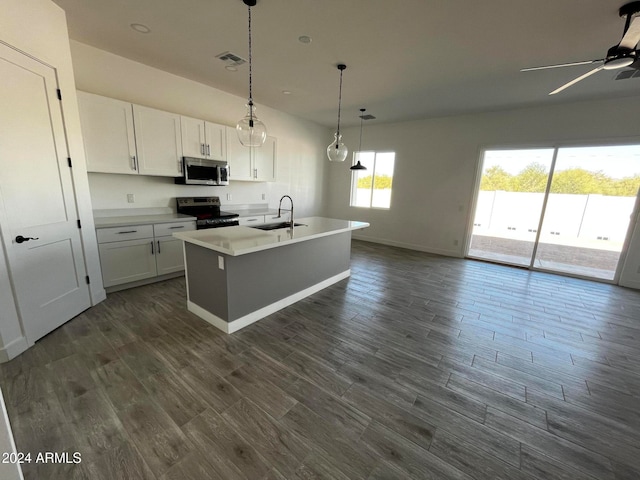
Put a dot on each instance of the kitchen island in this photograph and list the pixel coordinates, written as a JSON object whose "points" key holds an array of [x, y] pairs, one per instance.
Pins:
{"points": [[238, 275]]}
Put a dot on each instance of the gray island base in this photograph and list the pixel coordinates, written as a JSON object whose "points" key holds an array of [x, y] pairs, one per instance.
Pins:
{"points": [[238, 275]]}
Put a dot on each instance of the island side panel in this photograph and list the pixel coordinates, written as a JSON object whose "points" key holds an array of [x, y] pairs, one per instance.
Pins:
{"points": [[263, 278], [206, 282]]}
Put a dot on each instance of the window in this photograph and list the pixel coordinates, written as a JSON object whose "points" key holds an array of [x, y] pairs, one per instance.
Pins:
{"points": [[371, 188]]}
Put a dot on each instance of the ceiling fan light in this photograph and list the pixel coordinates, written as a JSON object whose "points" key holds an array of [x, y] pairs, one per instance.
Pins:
{"points": [[619, 62]]}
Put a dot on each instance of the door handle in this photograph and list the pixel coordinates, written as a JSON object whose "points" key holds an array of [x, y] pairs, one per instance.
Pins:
{"points": [[21, 239]]}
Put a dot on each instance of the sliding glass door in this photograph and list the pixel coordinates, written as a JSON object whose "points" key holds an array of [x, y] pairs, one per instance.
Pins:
{"points": [[509, 205], [565, 210], [591, 200]]}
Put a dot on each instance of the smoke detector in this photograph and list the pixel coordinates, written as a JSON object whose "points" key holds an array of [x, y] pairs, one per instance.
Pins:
{"points": [[231, 59]]}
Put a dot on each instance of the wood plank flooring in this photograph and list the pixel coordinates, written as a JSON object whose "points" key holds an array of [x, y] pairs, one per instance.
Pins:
{"points": [[418, 366]]}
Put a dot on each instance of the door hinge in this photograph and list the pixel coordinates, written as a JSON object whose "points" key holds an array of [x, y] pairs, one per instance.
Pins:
{"points": [[79, 224], [69, 161], [59, 93], [88, 280]]}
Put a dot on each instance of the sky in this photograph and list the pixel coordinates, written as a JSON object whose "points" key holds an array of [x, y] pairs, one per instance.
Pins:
{"points": [[615, 161]]}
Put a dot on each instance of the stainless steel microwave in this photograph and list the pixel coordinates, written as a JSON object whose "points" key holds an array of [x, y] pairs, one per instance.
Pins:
{"points": [[199, 171]]}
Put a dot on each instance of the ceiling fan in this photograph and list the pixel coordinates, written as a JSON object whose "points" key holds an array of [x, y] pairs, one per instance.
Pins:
{"points": [[622, 55]]}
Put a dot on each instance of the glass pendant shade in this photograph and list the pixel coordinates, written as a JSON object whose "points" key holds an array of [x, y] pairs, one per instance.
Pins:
{"points": [[251, 131], [337, 151]]}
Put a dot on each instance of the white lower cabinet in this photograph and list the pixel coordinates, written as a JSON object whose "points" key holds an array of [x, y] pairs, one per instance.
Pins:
{"points": [[140, 252], [127, 261]]}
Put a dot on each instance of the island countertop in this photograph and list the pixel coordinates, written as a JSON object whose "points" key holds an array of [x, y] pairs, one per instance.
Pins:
{"points": [[241, 240]]}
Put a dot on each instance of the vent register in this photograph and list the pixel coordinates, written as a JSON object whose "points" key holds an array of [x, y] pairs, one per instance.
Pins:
{"points": [[231, 59]]}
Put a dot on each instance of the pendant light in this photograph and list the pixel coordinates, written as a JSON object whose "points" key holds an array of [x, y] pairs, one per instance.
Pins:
{"points": [[358, 165], [337, 151], [251, 131]]}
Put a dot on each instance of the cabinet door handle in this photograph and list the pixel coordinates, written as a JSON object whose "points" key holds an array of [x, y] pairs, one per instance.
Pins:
{"points": [[208, 150], [252, 220], [158, 247], [255, 173], [202, 149], [172, 228], [180, 166], [152, 252], [127, 231], [133, 163]]}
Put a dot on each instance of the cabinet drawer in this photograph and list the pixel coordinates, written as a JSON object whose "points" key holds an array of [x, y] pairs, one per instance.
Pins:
{"points": [[255, 220], [116, 234], [166, 229]]}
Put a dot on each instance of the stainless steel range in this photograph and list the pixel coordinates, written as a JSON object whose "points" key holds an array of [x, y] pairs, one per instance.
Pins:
{"points": [[207, 211]]}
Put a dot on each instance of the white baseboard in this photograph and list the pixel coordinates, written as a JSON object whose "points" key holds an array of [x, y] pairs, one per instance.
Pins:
{"points": [[235, 325], [13, 349], [410, 246]]}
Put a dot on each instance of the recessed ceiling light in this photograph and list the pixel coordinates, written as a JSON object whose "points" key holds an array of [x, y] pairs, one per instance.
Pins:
{"points": [[304, 39], [286, 92], [140, 28], [231, 68]]}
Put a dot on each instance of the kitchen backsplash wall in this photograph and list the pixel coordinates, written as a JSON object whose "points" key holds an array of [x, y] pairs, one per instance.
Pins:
{"points": [[110, 191], [301, 165]]}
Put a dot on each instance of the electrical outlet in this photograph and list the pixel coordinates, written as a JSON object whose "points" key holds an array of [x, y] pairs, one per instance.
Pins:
{"points": [[264, 196], [455, 242], [131, 198], [220, 262]]}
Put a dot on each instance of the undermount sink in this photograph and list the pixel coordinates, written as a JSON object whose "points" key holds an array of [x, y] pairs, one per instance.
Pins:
{"points": [[276, 226]]}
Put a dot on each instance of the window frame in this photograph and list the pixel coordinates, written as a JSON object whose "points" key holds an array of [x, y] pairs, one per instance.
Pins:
{"points": [[354, 177]]}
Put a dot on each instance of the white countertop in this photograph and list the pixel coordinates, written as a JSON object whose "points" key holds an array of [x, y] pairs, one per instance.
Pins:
{"points": [[127, 220], [242, 240]]}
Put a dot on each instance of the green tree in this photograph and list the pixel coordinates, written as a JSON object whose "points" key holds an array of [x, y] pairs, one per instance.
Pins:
{"points": [[577, 181], [533, 178], [380, 182], [495, 178]]}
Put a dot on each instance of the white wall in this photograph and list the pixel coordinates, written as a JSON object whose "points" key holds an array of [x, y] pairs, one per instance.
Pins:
{"points": [[436, 162], [300, 149], [39, 28]]}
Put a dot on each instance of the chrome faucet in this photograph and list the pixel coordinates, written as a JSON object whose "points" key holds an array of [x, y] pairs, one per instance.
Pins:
{"points": [[280, 208]]}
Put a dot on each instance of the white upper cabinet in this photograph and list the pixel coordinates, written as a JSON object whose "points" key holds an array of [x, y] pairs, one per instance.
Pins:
{"points": [[239, 157], [202, 139], [158, 141], [107, 129], [264, 161], [251, 164]]}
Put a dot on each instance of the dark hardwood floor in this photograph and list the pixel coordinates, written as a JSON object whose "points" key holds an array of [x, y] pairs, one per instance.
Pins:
{"points": [[418, 366]]}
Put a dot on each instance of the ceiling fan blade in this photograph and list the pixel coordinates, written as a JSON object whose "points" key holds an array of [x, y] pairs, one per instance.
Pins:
{"points": [[580, 78], [561, 65], [632, 35]]}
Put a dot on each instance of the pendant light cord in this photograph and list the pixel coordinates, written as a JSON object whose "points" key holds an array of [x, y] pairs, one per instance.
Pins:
{"points": [[339, 101], [250, 74], [361, 119]]}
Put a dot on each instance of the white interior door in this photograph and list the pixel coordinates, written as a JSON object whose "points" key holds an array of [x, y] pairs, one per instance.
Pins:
{"points": [[37, 198]]}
